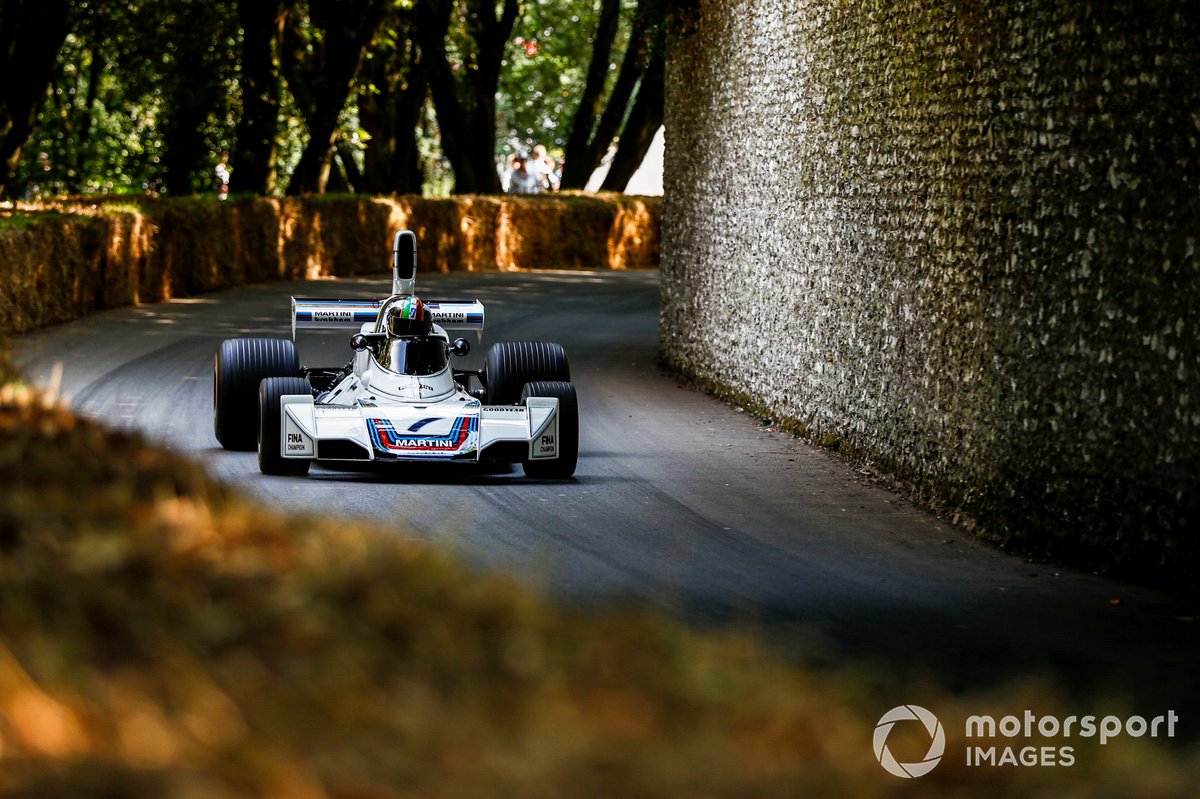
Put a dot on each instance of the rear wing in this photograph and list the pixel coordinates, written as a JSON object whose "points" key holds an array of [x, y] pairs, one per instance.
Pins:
{"points": [[329, 314], [310, 313]]}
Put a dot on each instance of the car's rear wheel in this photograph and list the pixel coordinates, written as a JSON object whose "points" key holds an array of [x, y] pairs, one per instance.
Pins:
{"points": [[270, 425], [509, 365], [240, 365], [567, 441]]}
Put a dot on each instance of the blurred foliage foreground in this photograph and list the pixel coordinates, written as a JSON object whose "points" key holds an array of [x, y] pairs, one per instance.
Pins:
{"points": [[160, 636]]}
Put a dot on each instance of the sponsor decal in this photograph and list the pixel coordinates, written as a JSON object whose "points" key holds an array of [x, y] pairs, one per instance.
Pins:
{"points": [[295, 442], [333, 316], [453, 317], [547, 447], [504, 409], [459, 440]]}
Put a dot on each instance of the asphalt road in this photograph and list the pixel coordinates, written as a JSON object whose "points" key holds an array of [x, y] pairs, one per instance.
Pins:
{"points": [[680, 501]]}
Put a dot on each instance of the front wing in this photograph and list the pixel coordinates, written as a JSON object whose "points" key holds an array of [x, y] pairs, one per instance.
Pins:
{"points": [[450, 431]]}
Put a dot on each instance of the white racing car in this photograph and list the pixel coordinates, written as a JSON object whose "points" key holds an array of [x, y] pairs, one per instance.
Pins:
{"points": [[398, 399]]}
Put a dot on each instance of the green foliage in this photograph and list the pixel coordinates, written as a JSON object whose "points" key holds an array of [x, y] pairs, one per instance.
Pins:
{"points": [[98, 130], [199, 40], [545, 67], [101, 129], [145, 85]]}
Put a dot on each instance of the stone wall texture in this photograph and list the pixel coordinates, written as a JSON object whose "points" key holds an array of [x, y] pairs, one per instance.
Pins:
{"points": [[957, 240]]}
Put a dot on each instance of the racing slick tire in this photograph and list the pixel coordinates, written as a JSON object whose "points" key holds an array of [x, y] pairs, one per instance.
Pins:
{"points": [[509, 365], [270, 425], [240, 365], [563, 466]]}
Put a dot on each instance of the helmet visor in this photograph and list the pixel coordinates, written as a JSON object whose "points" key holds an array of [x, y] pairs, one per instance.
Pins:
{"points": [[399, 326], [415, 356]]}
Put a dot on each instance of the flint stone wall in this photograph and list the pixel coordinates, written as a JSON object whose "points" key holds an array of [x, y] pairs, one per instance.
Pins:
{"points": [[958, 240]]}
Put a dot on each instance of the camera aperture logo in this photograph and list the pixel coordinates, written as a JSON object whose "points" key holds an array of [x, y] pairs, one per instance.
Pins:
{"points": [[937, 744], [1030, 739]]}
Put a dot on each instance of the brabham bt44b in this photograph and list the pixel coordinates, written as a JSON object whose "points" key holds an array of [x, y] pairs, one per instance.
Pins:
{"points": [[399, 399]]}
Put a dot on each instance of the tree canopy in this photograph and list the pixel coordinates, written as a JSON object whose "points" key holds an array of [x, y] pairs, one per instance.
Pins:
{"points": [[309, 96]]}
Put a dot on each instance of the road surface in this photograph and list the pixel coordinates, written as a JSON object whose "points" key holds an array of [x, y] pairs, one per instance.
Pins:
{"points": [[680, 502]]}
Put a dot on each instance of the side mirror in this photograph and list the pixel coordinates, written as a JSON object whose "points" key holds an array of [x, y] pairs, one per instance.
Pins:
{"points": [[367, 341], [460, 347]]}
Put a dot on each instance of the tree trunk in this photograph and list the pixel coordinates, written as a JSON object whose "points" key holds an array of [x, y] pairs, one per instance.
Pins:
{"points": [[644, 120], [312, 171], [390, 116], [345, 156], [193, 91], [347, 28], [253, 163], [83, 145], [593, 90], [336, 181], [466, 104], [31, 34], [433, 22], [581, 164]]}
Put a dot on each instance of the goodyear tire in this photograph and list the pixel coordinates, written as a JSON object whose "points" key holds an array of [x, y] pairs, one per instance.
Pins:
{"points": [[509, 365], [270, 425], [564, 465], [240, 365]]}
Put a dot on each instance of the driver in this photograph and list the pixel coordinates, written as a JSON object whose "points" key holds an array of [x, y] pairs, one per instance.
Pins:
{"points": [[411, 349], [409, 317]]}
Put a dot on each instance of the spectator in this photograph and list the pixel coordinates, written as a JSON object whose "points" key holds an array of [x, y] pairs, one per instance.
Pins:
{"points": [[507, 172], [544, 167], [521, 179], [222, 170]]}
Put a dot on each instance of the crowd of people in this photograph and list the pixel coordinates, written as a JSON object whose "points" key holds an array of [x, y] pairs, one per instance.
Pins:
{"points": [[531, 174]]}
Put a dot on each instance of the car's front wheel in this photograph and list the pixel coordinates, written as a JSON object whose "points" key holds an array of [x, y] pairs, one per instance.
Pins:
{"points": [[270, 425], [509, 365], [567, 441], [240, 365]]}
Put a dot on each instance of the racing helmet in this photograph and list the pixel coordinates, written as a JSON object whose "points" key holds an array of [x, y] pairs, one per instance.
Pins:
{"points": [[409, 317]]}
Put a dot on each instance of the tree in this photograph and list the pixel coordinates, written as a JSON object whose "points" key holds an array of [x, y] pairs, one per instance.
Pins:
{"points": [[254, 152], [643, 122], [464, 89], [592, 136], [101, 125], [391, 99], [31, 34], [321, 57], [579, 141], [545, 69], [145, 95], [198, 76]]}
